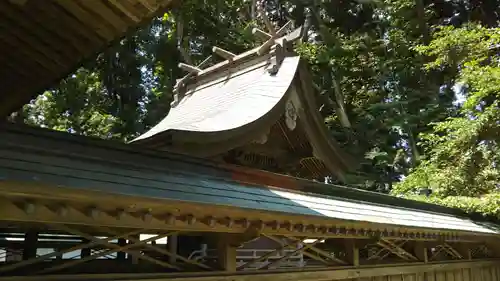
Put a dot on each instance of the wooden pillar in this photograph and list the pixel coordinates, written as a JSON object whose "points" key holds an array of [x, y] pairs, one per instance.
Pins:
{"points": [[172, 248], [421, 251], [121, 255], [30, 245], [464, 250], [85, 251], [59, 256], [226, 254], [352, 251], [133, 257]]}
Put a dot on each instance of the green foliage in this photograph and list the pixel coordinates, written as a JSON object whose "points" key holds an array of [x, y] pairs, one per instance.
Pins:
{"points": [[487, 205], [76, 106], [375, 77], [462, 152], [129, 87]]}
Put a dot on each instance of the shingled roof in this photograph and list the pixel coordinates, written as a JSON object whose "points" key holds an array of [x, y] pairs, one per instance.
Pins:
{"points": [[257, 109], [62, 165], [43, 41]]}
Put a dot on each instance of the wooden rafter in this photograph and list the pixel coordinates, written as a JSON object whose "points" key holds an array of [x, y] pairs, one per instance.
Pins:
{"points": [[451, 251], [113, 248], [103, 247], [224, 220], [68, 250], [303, 247], [390, 247], [307, 254], [320, 252], [162, 251], [60, 35]]}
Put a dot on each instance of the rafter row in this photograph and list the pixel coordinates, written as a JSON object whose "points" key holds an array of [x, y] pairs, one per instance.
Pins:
{"points": [[61, 212]]}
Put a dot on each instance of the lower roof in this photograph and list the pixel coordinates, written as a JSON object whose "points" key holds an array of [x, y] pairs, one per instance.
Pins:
{"points": [[80, 163], [43, 41]]}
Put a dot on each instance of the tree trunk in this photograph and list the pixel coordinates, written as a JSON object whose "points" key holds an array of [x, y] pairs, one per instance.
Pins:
{"points": [[340, 101], [422, 22]]}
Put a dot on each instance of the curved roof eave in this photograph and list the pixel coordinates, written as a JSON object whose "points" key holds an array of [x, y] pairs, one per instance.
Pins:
{"points": [[230, 103], [324, 146]]}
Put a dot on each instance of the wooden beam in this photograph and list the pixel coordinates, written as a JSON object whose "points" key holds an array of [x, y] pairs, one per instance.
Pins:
{"points": [[173, 256], [114, 249], [226, 254], [223, 53], [43, 35], [228, 218], [73, 8], [396, 249], [189, 68], [105, 13], [134, 258], [122, 242], [172, 248], [72, 29], [292, 246], [42, 258], [261, 34], [87, 251], [303, 247], [452, 252], [147, 5], [421, 251], [352, 252], [338, 273], [319, 252], [126, 10], [30, 245], [268, 254]]}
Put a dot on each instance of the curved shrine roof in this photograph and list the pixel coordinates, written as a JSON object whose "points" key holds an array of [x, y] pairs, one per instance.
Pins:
{"points": [[257, 110], [230, 102]]}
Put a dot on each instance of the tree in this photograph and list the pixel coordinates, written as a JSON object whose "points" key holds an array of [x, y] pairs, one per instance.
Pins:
{"points": [[129, 87], [462, 152]]}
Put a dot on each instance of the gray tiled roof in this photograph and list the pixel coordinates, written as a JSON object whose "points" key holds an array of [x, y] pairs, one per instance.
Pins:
{"points": [[87, 166]]}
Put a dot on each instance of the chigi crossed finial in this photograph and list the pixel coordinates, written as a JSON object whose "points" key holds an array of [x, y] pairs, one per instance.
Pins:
{"points": [[268, 37]]}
